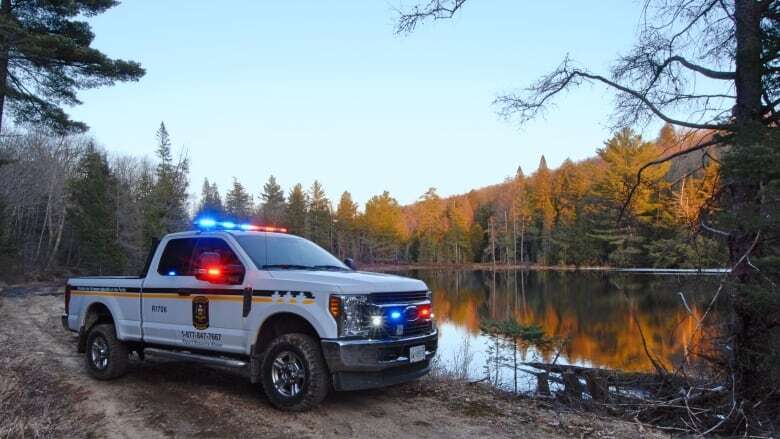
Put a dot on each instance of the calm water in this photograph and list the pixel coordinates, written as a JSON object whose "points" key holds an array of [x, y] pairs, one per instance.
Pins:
{"points": [[595, 314]]}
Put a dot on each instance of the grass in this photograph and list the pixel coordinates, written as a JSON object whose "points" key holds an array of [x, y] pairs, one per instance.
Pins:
{"points": [[34, 404]]}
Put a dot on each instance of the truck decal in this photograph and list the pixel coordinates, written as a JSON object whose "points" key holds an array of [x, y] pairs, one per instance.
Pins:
{"points": [[194, 338], [200, 312], [219, 294]]}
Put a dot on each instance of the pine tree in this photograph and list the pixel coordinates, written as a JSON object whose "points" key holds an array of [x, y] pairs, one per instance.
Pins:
{"points": [[430, 227], [8, 251], [45, 57], [319, 225], [385, 231], [165, 205], [624, 154], [273, 207], [346, 226], [93, 214], [238, 202], [210, 201], [295, 217]]}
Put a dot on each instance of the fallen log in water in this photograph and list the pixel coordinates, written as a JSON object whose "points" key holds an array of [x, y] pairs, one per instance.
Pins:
{"points": [[608, 377], [681, 402], [604, 384]]}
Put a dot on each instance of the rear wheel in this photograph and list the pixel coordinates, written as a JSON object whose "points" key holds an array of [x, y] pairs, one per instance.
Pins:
{"points": [[294, 374], [106, 357]]}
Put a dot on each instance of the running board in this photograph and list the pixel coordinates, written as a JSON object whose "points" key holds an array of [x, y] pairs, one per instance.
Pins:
{"points": [[187, 356]]}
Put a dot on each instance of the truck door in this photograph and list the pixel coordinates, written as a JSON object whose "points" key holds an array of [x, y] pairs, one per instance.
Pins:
{"points": [[180, 310]]}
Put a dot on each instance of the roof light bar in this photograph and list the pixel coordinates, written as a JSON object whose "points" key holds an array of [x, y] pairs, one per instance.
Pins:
{"points": [[208, 224]]}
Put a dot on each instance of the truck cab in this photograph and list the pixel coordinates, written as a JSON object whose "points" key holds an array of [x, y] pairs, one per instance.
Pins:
{"points": [[300, 321]]}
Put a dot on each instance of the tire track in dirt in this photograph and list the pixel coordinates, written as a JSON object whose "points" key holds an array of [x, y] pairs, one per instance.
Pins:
{"points": [[174, 399], [153, 400]]}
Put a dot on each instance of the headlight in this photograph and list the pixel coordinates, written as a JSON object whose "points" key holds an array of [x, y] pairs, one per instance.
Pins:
{"points": [[351, 314]]}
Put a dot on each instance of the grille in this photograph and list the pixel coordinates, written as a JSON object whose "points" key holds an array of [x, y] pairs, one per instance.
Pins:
{"points": [[385, 304], [403, 297], [420, 327]]}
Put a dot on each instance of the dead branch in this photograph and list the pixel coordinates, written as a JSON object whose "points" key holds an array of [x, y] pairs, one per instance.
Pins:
{"points": [[436, 9]]}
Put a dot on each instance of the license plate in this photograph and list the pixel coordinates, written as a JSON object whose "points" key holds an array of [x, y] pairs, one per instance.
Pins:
{"points": [[416, 353]]}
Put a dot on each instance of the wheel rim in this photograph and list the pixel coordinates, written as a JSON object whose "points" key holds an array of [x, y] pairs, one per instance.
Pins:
{"points": [[288, 374], [99, 352]]}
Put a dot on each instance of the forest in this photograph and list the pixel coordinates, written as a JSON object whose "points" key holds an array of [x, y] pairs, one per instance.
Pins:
{"points": [[68, 206]]}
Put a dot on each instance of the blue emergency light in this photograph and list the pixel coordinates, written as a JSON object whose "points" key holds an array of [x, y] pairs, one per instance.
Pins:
{"points": [[210, 224]]}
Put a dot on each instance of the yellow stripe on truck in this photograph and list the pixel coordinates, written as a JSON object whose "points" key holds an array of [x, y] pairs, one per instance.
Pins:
{"points": [[176, 296], [104, 294]]}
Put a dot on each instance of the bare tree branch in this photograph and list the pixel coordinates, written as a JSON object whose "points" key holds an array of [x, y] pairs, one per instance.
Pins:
{"points": [[714, 74], [527, 108], [436, 9]]}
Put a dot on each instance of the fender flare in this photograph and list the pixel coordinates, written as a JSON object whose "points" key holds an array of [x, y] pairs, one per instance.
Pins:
{"points": [[86, 325]]}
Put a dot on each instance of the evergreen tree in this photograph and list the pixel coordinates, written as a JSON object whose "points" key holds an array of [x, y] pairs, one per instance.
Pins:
{"points": [[93, 213], [238, 202], [272, 209], [45, 57], [624, 154], [319, 224], [8, 256], [165, 209], [295, 217], [210, 201], [430, 227], [385, 230], [346, 226]]}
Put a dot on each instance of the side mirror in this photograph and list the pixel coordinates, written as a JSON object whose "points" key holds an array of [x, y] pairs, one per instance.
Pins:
{"points": [[349, 262], [208, 268]]}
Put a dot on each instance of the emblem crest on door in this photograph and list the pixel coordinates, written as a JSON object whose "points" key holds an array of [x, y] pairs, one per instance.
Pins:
{"points": [[200, 312]]}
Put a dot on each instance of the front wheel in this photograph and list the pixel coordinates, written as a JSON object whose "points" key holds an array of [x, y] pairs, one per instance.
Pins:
{"points": [[294, 374], [106, 357]]}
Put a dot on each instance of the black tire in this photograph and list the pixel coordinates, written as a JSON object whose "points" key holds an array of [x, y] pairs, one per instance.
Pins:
{"points": [[314, 382], [106, 357]]}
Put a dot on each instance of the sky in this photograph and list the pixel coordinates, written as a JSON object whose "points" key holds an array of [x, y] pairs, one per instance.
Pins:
{"points": [[325, 90]]}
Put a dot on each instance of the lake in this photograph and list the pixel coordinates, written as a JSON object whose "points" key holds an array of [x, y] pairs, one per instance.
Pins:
{"points": [[595, 318]]}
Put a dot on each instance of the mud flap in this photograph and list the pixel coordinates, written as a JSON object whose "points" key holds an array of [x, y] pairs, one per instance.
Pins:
{"points": [[81, 346], [255, 363], [247, 302]]}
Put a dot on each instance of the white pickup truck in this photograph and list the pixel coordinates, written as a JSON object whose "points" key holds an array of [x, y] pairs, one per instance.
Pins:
{"points": [[300, 321]]}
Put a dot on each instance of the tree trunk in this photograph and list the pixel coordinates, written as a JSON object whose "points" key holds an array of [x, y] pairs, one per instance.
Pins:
{"points": [[522, 240], [749, 67], [5, 10], [748, 343], [56, 248]]}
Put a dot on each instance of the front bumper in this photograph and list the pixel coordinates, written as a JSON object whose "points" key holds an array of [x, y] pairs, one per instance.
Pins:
{"points": [[366, 364]]}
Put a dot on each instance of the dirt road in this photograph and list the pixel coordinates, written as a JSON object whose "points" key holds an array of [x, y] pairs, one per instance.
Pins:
{"points": [[45, 392]]}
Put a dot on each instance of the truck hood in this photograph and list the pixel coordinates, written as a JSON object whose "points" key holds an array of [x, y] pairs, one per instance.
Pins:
{"points": [[352, 281]]}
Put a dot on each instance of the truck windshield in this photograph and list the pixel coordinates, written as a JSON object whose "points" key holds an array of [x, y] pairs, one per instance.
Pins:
{"points": [[286, 252]]}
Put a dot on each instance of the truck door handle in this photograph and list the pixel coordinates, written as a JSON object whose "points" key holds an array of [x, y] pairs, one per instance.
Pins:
{"points": [[183, 293]]}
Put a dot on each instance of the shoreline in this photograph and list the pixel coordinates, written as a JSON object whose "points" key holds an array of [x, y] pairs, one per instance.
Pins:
{"points": [[388, 268]]}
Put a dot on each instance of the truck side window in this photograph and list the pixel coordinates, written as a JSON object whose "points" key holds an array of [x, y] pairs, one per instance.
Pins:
{"points": [[217, 245], [176, 260]]}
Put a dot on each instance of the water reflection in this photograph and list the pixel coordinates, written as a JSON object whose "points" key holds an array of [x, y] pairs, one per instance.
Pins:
{"points": [[598, 314]]}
